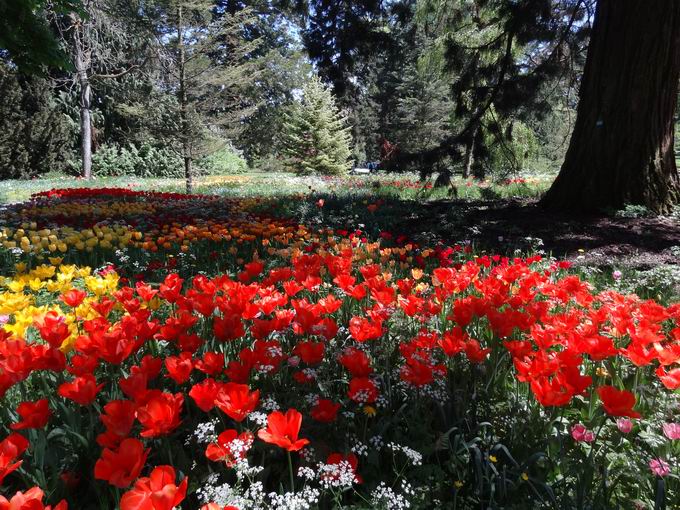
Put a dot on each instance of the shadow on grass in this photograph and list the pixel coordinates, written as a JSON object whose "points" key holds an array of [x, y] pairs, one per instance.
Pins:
{"points": [[498, 226]]}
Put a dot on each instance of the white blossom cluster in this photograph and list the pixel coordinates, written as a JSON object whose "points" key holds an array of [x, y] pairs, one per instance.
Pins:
{"points": [[385, 497], [376, 442], [255, 498], [265, 369], [338, 476], [122, 256], [306, 472], [244, 469], [270, 404], [310, 373], [361, 396], [239, 451], [205, 432], [416, 458], [312, 399], [259, 418], [360, 449], [308, 454], [222, 494], [303, 500]]}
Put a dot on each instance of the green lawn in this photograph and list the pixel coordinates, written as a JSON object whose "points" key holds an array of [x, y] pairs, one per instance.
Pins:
{"points": [[406, 186]]}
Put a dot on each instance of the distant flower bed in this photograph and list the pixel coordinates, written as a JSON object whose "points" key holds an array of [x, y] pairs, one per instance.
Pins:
{"points": [[228, 359]]}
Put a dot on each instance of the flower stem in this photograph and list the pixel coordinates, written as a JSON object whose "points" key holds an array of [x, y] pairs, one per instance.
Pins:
{"points": [[290, 472]]}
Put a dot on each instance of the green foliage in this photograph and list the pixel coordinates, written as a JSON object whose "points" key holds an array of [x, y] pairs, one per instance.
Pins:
{"points": [[223, 162], [26, 37], [316, 139], [34, 133], [511, 145], [634, 211], [143, 161]]}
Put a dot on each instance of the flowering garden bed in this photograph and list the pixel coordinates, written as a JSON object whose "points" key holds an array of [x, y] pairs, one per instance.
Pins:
{"points": [[165, 350]]}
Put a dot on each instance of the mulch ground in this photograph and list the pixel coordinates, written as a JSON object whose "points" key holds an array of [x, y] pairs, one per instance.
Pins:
{"points": [[500, 226]]}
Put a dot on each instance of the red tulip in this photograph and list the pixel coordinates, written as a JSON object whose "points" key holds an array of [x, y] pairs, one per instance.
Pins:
{"points": [[356, 361], [337, 459], [82, 390], [160, 415], [53, 328], [171, 287], [617, 403], [363, 330], [310, 352], [10, 448], [179, 367], [34, 415], [283, 429], [121, 467], [204, 394], [236, 400], [325, 411], [118, 416], [73, 297], [225, 449], [362, 390], [670, 379], [211, 364], [156, 492], [29, 500]]}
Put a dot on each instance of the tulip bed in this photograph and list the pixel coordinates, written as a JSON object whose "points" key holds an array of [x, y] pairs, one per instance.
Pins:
{"points": [[161, 350]]}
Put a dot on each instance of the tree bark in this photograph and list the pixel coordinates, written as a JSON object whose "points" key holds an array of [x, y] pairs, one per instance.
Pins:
{"points": [[81, 64], [622, 148], [184, 119], [469, 154]]}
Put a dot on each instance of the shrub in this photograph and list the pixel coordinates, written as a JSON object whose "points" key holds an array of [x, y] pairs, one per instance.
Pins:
{"points": [[224, 161], [145, 161], [34, 135]]}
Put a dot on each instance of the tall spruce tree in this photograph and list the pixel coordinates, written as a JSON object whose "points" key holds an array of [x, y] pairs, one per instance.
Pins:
{"points": [[211, 63], [316, 139]]}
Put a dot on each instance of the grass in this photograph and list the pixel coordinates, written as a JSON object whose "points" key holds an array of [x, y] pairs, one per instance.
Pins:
{"points": [[403, 186]]}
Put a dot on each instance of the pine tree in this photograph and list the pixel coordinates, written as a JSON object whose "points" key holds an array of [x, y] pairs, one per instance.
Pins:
{"points": [[317, 140], [212, 65], [34, 133]]}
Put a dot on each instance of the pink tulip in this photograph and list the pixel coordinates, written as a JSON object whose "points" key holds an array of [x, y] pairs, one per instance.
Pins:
{"points": [[580, 433], [659, 467], [671, 430], [624, 425]]}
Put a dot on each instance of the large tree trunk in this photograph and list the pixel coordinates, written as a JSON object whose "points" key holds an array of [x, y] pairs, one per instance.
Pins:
{"points": [[82, 65], [184, 119], [621, 150]]}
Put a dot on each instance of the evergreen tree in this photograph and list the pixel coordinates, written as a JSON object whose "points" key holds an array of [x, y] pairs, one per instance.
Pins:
{"points": [[212, 63], [34, 133], [27, 39], [316, 139], [422, 117], [105, 42], [338, 35], [498, 56]]}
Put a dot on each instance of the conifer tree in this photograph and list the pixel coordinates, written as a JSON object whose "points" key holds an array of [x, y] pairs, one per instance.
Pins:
{"points": [[317, 139]]}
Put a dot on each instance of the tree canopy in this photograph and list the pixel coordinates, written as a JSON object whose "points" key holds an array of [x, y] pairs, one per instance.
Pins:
{"points": [[477, 88]]}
